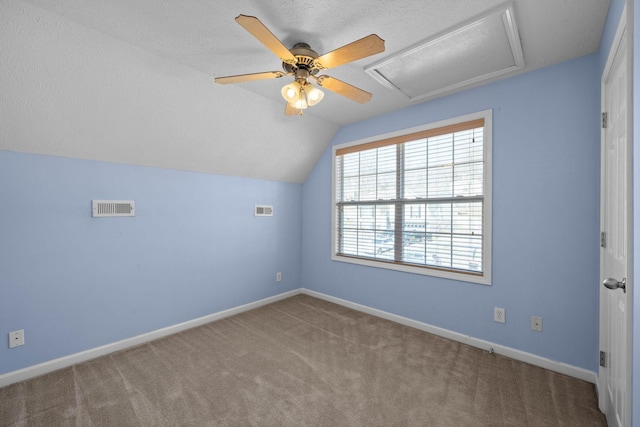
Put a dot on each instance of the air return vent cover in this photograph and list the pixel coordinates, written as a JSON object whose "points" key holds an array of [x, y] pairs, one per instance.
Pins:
{"points": [[261, 210], [477, 51], [101, 208]]}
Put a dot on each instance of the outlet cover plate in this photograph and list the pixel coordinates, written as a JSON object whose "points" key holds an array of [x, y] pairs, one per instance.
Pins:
{"points": [[16, 338], [499, 315], [536, 323]]}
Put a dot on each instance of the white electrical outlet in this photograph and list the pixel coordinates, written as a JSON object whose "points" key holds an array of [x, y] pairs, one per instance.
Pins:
{"points": [[278, 277], [499, 315], [536, 323], [16, 338]]}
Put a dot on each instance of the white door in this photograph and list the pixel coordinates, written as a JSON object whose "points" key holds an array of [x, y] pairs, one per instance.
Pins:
{"points": [[615, 319]]}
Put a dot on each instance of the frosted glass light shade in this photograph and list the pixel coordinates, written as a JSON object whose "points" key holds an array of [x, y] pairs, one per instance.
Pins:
{"points": [[314, 95], [291, 92]]}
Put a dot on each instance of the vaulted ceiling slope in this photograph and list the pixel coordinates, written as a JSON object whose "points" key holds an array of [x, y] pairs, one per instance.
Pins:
{"points": [[130, 81]]}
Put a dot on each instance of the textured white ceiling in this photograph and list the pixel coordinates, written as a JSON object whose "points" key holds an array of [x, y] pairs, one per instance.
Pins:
{"points": [[130, 80]]}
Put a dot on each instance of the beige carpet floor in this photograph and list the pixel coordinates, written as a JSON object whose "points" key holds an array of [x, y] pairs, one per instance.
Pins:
{"points": [[301, 362]]}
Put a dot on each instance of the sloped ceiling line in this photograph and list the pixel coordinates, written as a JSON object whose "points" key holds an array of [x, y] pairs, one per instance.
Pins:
{"points": [[131, 80]]}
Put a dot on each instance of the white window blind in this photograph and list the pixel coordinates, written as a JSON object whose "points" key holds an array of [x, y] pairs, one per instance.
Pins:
{"points": [[416, 199]]}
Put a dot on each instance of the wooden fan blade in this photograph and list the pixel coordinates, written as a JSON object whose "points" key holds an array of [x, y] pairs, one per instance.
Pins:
{"points": [[358, 49], [249, 77], [266, 37], [344, 89], [290, 110]]}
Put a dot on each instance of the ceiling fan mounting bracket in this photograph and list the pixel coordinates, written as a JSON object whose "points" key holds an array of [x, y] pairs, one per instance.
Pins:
{"points": [[305, 58]]}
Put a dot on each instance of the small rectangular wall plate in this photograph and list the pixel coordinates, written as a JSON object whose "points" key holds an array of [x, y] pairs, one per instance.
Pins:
{"points": [[16, 338], [536, 323], [263, 210]]}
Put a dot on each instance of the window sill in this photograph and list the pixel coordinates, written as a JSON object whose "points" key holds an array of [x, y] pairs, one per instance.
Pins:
{"points": [[482, 279]]}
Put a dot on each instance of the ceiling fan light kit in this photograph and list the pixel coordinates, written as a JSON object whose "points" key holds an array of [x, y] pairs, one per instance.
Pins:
{"points": [[304, 63], [301, 95]]}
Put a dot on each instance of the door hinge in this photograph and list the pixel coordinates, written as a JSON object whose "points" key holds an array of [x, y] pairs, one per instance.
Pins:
{"points": [[603, 359], [604, 120], [603, 239]]}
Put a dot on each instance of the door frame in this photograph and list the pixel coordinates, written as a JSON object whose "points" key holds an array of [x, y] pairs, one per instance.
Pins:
{"points": [[623, 27]]}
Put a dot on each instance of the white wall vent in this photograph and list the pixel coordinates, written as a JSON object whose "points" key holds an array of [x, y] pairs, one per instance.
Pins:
{"points": [[263, 210], [101, 208]]}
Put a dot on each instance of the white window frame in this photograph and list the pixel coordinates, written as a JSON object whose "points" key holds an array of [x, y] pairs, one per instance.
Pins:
{"points": [[485, 278]]}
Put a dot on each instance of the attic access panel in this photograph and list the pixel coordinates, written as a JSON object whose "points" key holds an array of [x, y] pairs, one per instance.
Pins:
{"points": [[478, 50]]}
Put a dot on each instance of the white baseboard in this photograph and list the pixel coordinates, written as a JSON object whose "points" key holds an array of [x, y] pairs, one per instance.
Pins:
{"points": [[523, 356], [66, 361]]}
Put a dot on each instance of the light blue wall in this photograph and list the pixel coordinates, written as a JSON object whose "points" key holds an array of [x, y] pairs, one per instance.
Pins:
{"points": [[74, 282], [546, 152], [609, 31]]}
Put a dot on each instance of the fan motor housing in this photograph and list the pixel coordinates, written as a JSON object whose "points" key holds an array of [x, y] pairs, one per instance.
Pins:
{"points": [[304, 59]]}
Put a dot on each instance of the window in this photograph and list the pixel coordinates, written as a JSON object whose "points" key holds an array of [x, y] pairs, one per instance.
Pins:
{"points": [[417, 200]]}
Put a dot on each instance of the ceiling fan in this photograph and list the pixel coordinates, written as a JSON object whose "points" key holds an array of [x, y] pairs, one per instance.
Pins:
{"points": [[304, 64]]}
